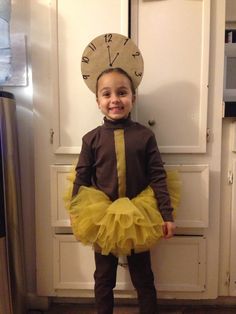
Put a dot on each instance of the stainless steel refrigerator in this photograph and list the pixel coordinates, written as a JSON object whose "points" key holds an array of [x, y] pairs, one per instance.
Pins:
{"points": [[12, 274]]}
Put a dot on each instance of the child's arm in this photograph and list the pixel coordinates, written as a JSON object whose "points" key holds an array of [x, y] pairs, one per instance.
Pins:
{"points": [[157, 178], [83, 169]]}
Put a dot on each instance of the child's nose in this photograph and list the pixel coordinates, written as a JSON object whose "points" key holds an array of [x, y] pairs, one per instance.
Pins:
{"points": [[114, 98]]}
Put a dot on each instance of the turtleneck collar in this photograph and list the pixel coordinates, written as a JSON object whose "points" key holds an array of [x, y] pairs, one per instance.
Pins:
{"points": [[118, 124]]}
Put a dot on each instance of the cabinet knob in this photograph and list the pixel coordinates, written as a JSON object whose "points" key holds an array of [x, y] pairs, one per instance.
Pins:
{"points": [[151, 122]]}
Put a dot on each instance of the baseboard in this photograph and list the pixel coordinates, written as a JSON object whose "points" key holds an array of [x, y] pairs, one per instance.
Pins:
{"points": [[35, 302]]}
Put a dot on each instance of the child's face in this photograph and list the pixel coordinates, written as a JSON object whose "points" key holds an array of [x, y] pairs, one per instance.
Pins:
{"points": [[114, 96]]}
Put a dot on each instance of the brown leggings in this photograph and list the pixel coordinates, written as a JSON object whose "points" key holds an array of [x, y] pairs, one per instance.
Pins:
{"points": [[141, 276]]}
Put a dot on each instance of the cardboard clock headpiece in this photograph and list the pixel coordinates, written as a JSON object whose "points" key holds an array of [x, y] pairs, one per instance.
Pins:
{"points": [[111, 51]]}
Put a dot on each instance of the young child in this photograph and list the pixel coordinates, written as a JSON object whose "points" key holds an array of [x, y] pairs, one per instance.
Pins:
{"points": [[120, 202]]}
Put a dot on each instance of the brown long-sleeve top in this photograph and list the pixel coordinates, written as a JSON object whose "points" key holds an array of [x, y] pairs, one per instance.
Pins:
{"points": [[97, 165]]}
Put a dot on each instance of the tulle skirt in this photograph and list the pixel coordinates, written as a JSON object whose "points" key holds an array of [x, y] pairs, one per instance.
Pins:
{"points": [[121, 226]]}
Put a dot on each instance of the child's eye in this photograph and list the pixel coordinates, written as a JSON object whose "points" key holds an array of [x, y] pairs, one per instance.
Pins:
{"points": [[106, 94], [123, 93]]}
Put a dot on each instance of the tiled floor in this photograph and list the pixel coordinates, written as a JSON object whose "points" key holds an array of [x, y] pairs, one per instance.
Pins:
{"points": [[65, 308]]}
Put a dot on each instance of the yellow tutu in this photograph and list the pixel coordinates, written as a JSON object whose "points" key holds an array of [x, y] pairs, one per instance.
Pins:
{"points": [[120, 226]]}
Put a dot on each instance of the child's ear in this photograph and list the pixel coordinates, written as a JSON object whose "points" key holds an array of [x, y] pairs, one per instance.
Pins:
{"points": [[133, 99]]}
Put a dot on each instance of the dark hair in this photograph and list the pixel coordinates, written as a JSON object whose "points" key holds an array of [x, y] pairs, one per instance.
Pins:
{"points": [[116, 70]]}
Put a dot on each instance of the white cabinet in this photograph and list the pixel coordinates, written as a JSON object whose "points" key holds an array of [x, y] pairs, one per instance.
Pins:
{"points": [[74, 263], [174, 90], [74, 24], [59, 187], [64, 109], [185, 273], [174, 93], [193, 210], [174, 39], [74, 266]]}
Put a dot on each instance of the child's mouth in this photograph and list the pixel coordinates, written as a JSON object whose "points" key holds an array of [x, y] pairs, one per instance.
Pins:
{"points": [[116, 109]]}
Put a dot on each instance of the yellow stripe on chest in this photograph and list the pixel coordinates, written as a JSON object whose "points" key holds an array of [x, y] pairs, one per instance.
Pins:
{"points": [[121, 161]]}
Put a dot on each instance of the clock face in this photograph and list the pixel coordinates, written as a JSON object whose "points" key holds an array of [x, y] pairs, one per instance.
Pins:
{"points": [[111, 51]]}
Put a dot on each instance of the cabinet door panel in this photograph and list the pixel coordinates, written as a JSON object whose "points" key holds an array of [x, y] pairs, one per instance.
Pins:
{"points": [[193, 211], [59, 187], [73, 27], [185, 273], [174, 91], [74, 266]]}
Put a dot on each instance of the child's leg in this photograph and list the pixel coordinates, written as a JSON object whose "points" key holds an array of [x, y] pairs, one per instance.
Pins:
{"points": [[105, 281], [143, 280]]}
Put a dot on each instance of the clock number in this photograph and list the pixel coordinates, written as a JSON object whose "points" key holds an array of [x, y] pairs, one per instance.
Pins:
{"points": [[85, 59], [127, 39], [108, 38], [136, 54], [138, 73], [92, 46], [85, 77]]}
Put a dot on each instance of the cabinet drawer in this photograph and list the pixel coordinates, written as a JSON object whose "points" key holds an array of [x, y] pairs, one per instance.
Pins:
{"points": [[178, 265]]}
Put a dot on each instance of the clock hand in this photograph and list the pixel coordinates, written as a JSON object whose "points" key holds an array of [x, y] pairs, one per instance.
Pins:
{"points": [[117, 54], [109, 55]]}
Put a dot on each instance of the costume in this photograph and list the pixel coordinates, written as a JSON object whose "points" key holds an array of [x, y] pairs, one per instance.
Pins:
{"points": [[120, 173], [119, 177], [120, 195]]}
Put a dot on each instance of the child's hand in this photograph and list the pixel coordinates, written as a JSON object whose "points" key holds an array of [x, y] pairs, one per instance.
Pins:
{"points": [[168, 229]]}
